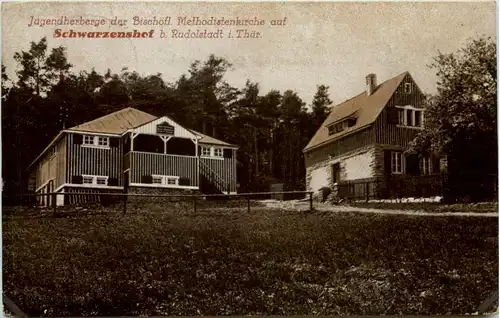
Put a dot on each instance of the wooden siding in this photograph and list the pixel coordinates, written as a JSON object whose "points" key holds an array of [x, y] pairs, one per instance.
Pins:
{"points": [[147, 164], [150, 128], [60, 162], [93, 161], [392, 134], [336, 148], [226, 169]]}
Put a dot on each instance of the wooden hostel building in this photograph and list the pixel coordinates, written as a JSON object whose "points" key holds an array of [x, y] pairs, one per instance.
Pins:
{"points": [[134, 152]]}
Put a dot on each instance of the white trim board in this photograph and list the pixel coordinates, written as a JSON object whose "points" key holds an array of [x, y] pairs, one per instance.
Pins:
{"points": [[163, 186]]}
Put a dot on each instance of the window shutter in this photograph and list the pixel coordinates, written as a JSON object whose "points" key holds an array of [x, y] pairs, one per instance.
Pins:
{"points": [[147, 179], [387, 162], [184, 181], [113, 182], [392, 115], [114, 142], [436, 164], [77, 179], [228, 153], [77, 139]]}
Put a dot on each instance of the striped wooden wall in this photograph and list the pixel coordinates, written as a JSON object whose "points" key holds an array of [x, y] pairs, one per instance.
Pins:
{"points": [[147, 164], [349, 143], [226, 169], [391, 134], [61, 162], [93, 161]]}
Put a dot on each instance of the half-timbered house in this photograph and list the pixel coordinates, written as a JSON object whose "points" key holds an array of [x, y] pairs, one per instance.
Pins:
{"points": [[364, 141], [133, 151]]}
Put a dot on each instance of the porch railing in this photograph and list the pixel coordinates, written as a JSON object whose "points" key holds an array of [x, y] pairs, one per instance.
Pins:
{"points": [[221, 184]]}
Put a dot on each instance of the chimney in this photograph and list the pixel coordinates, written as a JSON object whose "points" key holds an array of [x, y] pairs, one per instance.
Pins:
{"points": [[371, 83]]}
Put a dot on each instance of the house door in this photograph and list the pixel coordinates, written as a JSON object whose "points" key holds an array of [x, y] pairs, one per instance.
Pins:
{"points": [[335, 173]]}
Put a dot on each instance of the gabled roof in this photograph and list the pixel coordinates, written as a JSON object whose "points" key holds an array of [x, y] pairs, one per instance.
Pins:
{"points": [[128, 118], [116, 123], [366, 109]]}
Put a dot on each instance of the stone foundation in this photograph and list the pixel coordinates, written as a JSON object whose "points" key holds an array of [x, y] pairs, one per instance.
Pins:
{"points": [[150, 193]]}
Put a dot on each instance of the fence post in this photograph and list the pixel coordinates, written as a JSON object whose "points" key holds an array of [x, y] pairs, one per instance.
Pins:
{"points": [[124, 203], [194, 204], [54, 203], [310, 201], [367, 192], [248, 204]]}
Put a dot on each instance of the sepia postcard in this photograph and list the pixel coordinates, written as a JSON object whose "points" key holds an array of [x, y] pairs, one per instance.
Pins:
{"points": [[249, 158]]}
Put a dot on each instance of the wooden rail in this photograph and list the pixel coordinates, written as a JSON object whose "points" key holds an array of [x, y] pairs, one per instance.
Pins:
{"points": [[221, 184]]}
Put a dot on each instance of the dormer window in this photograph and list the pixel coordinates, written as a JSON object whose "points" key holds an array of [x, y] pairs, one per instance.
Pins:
{"points": [[341, 126]]}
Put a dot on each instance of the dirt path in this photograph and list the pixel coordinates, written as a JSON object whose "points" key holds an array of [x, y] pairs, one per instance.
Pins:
{"points": [[302, 205]]}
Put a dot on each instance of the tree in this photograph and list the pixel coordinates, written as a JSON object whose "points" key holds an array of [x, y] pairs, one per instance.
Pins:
{"points": [[39, 71], [320, 105], [461, 119]]}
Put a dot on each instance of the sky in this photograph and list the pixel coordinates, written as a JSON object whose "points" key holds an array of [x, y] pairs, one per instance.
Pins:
{"points": [[334, 43]]}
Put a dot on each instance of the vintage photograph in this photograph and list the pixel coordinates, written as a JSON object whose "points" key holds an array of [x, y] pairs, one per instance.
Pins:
{"points": [[249, 158]]}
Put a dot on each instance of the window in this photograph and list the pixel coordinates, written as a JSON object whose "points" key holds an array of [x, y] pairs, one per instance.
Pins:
{"points": [[409, 117], [88, 180], [103, 141], [96, 141], [101, 181], [408, 88], [166, 180], [205, 151], [418, 119], [425, 165], [95, 180], [157, 180], [338, 127], [88, 140], [396, 162], [218, 152], [401, 117]]}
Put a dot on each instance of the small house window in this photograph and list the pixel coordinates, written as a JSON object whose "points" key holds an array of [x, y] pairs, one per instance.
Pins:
{"points": [[101, 181], [418, 118], [103, 141], [88, 180], [425, 165], [401, 117], [88, 140], [96, 141], [218, 152], [157, 180], [407, 88], [397, 162], [409, 117], [95, 180], [165, 180], [205, 151]]}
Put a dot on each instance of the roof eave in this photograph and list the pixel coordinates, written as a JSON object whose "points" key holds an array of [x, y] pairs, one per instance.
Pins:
{"points": [[59, 135], [307, 149]]}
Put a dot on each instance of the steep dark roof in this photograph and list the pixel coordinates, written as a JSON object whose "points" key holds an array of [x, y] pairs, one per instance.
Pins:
{"points": [[365, 108]]}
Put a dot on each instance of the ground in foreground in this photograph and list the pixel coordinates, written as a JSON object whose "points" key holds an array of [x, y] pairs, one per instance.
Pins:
{"points": [[235, 263]]}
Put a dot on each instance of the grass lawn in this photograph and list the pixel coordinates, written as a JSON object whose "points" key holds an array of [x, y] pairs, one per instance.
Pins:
{"points": [[262, 263]]}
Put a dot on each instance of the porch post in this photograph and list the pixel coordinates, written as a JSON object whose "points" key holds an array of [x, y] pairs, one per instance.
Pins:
{"points": [[132, 137]]}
